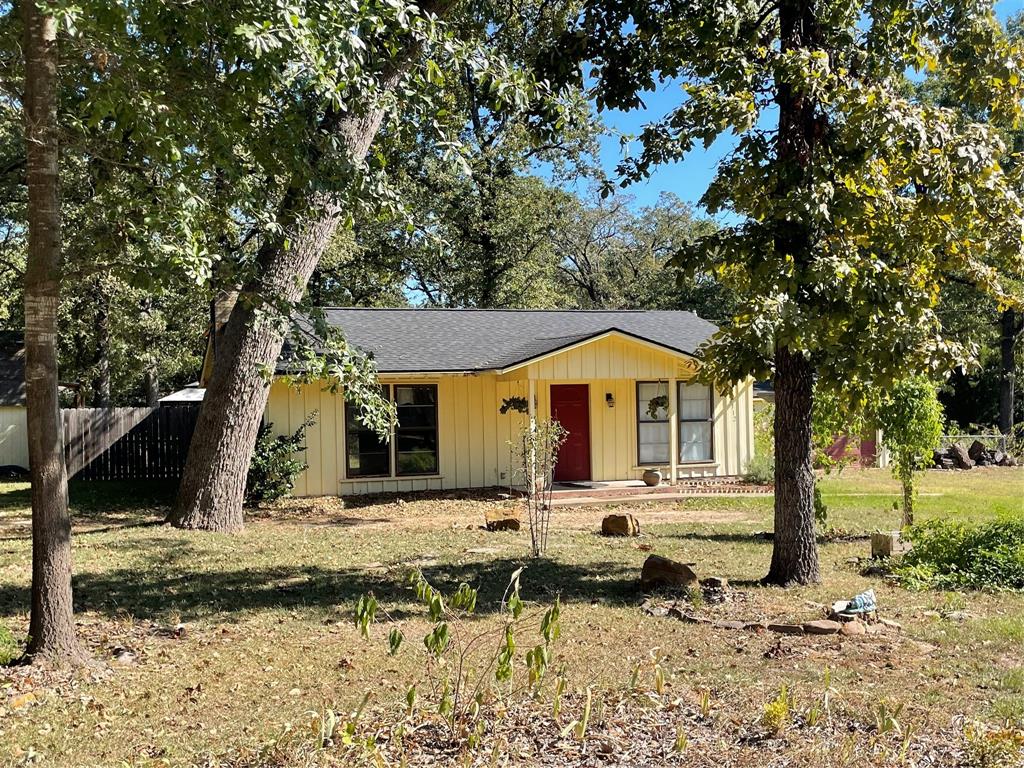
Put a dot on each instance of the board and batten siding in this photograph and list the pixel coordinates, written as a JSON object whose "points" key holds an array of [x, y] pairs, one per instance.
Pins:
{"points": [[13, 436], [473, 437]]}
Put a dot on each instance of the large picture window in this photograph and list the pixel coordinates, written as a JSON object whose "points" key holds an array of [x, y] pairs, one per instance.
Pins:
{"points": [[416, 432], [413, 447], [695, 422], [652, 431], [366, 455]]}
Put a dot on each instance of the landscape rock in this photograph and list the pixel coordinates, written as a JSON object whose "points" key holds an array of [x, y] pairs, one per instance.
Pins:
{"points": [[961, 458], [787, 629], [998, 457], [978, 452], [886, 544], [501, 520], [822, 627], [620, 525], [715, 582], [855, 627], [659, 571]]}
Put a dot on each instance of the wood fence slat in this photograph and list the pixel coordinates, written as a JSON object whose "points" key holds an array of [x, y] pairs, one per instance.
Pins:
{"points": [[127, 443]]}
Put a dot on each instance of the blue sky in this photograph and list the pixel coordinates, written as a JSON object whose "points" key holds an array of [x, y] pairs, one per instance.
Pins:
{"points": [[689, 178]]}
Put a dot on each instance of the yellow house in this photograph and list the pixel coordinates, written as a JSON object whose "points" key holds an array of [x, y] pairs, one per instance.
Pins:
{"points": [[466, 382]]}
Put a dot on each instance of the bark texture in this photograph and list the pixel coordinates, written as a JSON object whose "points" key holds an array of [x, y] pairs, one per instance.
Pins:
{"points": [[151, 386], [795, 550], [51, 626], [212, 488]]}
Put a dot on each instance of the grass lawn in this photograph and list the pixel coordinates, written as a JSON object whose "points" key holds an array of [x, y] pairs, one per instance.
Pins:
{"points": [[210, 646]]}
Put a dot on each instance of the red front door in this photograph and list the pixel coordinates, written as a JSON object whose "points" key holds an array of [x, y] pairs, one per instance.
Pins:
{"points": [[570, 407]]}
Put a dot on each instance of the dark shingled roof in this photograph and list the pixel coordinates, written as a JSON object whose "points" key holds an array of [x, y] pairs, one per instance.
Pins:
{"points": [[426, 340], [12, 368]]}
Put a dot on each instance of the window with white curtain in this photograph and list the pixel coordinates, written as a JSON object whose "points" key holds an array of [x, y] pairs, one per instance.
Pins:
{"points": [[652, 431], [695, 422]]}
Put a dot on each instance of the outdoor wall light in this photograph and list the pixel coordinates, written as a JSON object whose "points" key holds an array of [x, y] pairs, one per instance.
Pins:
{"points": [[610, 399]]}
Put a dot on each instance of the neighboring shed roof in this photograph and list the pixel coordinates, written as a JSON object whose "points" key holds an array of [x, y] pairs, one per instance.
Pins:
{"points": [[12, 368], [438, 340], [192, 393]]}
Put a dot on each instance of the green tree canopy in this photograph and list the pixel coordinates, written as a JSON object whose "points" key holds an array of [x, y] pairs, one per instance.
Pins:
{"points": [[854, 200]]}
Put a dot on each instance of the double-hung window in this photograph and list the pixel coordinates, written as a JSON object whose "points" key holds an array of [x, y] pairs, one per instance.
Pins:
{"points": [[653, 423], [695, 422], [652, 429], [412, 448]]}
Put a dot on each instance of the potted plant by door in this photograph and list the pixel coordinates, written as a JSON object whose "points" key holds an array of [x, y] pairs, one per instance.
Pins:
{"points": [[652, 477]]}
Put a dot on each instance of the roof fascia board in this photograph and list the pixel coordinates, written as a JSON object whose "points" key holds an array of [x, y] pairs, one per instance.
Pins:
{"points": [[598, 337]]}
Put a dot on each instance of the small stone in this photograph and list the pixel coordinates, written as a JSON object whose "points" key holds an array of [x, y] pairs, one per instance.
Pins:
{"points": [[890, 624], [855, 627], [958, 616], [822, 627], [731, 624], [620, 525], [687, 618], [651, 608], [787, 629], [659, 571], [123, 656], [715, 582]]}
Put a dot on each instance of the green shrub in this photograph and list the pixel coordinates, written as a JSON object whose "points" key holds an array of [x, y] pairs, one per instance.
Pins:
{"points": [[9, 648], [953, 555], [761, 469], [764, 430], [274, 468]]}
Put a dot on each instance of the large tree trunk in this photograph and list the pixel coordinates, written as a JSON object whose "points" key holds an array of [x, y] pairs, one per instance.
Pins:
{"points": [[795, 552], [213, 485], [1010, 327], [52, 624]]}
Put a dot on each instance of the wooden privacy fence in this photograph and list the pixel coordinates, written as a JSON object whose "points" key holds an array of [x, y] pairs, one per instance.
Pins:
{"points": [[128, 443]]}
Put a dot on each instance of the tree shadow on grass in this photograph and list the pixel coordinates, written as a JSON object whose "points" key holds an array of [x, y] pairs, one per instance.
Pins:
{"points": [[228, 595], [99, 506], [722, 537]]}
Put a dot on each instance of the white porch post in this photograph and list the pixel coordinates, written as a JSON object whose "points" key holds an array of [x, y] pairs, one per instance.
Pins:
{"points": [[673, 430], [531, 409]]}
